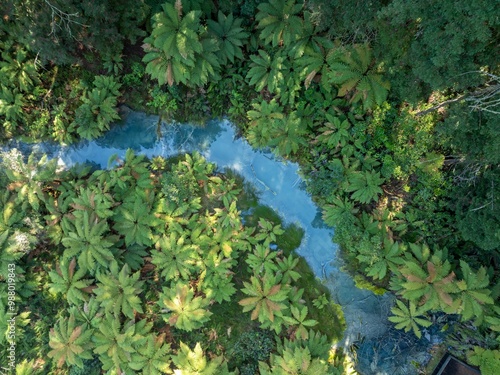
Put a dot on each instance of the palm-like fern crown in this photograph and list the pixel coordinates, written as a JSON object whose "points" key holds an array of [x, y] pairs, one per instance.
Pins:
{"points": [[474, 294], [88, 241], [152, 358], [118, 291], [176, 34], [279, 21], [410, 317], [98, 110], [190, 362], [352, 72], [115, 343], [429, 280], [18, 71], [70, 343], [185, 310], [179, 50], [295, 361], [70, 283], [230, 37]]}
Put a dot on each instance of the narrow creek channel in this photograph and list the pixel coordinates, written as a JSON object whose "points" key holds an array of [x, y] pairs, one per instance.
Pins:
{"points": [[380, 348]]}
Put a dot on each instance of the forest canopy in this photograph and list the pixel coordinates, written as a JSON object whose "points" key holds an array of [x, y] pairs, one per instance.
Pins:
{"points": [[390, 108]]}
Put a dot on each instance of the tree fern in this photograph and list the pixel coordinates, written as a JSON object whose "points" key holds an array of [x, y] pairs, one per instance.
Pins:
{"points": [[134, 220], [9, 213], [194, 362], [339, 210], [88, 242], [63, 130], [309, 40], [230, 36], [488, 360], [115, 344], [262, 260], [118, 291], [176, 33], [365, 186], [351, 70], [279, 21], [94, 201], [183, 309], [207, 8], [71, 284], [431, 285], [474, 293], [12, 103], [493, 321], [175, 257], [318, 344], [420, 253], [207, 65], [27, 368], [288, 268], [132, 255], [108, 84], [152, 358], [29, 178], [70, 343], [18, 71], [268, 232], [98, 109], [294, 362], [160, 66], [409, 317], [175, 47], [378, 263], [299, 319], [130, 178], [264, 118], [334, 133], [216, 279], [90, 313], [290, 137], [266, 71], [267, 298]]}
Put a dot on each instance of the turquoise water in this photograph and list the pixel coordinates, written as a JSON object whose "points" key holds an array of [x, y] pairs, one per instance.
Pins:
{"points": [[381, 349]]}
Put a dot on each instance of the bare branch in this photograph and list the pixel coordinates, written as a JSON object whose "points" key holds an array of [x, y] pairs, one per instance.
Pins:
{"points": [[61, 20], [487, 99], [436, 107], [484, 99], [469, 174], [490, 203]]}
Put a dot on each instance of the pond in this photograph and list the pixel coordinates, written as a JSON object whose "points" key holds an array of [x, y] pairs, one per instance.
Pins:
{"points": [[380, 348]]}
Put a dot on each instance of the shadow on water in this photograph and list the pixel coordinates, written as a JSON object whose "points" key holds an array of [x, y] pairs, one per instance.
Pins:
{"points": [[279, 186]]}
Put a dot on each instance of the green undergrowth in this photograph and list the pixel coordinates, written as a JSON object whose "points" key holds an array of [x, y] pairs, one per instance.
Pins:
{"points": [[329, 315], [151, 259], [363, 283], [288, 241], [248, 197], [397, 140]]}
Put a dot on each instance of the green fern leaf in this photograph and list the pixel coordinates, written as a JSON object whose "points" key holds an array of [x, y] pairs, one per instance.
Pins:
{"points": [[70, 343], [118, 291], [183, 309]]}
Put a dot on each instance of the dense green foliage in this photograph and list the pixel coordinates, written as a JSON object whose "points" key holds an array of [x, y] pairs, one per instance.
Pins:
{"points": [[391, 108], [135, 278]]}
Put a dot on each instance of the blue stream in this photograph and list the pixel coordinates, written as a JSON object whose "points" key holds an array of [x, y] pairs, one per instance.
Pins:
{"points": [[380, 348]]}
